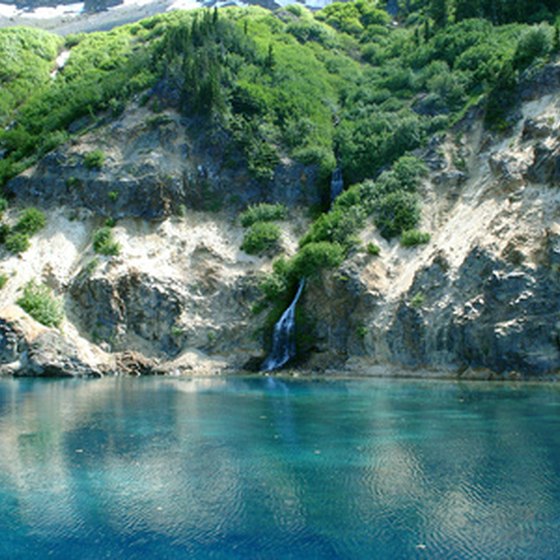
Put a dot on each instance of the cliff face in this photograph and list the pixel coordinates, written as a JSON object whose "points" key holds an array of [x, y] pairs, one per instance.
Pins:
{"points": [[179, 294], [482, 299], [156, 164]]}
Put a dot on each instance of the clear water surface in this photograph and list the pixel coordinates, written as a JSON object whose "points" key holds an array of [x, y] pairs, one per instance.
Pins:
{"points": [[272, 469]]}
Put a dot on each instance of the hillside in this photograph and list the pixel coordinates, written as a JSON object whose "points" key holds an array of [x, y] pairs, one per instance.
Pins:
{"points": [[145, 146]]}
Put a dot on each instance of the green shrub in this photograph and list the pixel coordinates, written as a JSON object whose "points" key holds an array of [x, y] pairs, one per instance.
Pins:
{"points": [[90, 267], [361, 331], [3, 279], [413, 237], [94, 159], [261, 237], [417, 300], [320, 156], [104, 244], [501, 98], [373, 249], [73, 182], [4, 232], [39, 302], [408, 171], [31, 221], [534, 43], [263, 212], [337, 226], [315, 257], [17, 242], [3, 204], [396, 212], [274, 286]]}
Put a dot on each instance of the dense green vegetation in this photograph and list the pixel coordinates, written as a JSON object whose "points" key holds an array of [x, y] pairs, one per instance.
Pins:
{"points": [[498, 11], [261, 238], [27, 59], [263, 212], [39, 302], [342, 80]]}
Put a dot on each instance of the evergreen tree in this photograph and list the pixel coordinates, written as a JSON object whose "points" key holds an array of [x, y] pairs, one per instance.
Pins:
{"points": [[465, 9], [270, 60], [439, 12]]}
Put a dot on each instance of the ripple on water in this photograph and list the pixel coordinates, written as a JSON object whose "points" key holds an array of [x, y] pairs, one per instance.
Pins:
{"points": [[358, 470]]}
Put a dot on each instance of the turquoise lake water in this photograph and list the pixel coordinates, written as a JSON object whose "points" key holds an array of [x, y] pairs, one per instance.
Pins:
{"points": [[169, 468]]}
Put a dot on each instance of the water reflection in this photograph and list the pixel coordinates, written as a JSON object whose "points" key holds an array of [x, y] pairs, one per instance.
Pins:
{"points": [[246, 468]]}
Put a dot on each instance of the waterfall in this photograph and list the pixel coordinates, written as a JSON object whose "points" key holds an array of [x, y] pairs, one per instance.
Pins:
{"points": [[337, 183], [284, 336]]}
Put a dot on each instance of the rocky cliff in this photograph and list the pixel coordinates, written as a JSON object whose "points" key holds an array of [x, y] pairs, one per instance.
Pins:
{"points": [[481, 300]]}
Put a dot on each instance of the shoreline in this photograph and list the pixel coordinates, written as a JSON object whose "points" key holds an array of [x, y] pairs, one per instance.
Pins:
{"points": [[387, 373]]}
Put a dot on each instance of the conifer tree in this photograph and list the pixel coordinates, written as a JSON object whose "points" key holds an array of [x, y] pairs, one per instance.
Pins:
{"points": [[439, 12]]}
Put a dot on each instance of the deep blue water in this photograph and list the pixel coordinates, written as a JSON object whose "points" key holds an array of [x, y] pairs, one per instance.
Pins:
{"points": [[271, 469]]}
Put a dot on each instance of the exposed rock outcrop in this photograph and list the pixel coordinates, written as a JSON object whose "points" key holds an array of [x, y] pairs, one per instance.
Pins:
{"points": [[29, 349], [156, 165]]}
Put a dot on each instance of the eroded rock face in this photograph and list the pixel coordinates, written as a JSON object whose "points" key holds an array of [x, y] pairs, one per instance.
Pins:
{"points": [[155, 165], [545, 168], [160, 317], [29, 349], [10, 342], [132, 305], [488, 315]]}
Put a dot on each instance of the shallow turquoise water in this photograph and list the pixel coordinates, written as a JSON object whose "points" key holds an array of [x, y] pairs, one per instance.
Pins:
{"points": [[263, 468]]}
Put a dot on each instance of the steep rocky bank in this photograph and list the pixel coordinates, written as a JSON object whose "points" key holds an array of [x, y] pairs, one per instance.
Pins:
{"points": [[481, 300]]}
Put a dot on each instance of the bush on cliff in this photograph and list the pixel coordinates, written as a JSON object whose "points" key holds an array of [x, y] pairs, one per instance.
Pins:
{"points": [[104, 243], [17, 242], [263, 212], [413, 237], [40, 303], [94, 159], [31, 221], [261, 238]]}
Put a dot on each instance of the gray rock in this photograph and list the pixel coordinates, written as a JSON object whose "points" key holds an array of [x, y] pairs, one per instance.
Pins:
{"points": [[155, 165], [490, 316], [51, 355], [534, 129], [509, 169], [10, 342], [546, 165], [543, 82], [134, 304]]}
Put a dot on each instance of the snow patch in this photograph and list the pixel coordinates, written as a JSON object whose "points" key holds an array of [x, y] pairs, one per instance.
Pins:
{"points": [[60, 61], [184, 5], [10, 11]]}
